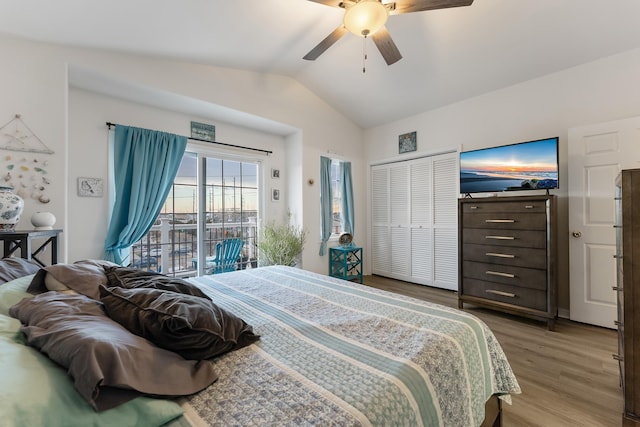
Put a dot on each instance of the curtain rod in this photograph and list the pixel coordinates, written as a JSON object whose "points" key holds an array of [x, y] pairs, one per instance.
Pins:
{"points": [[267, 152]]}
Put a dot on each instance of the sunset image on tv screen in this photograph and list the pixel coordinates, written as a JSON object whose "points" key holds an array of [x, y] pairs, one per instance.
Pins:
{"points": [[524, 166]]}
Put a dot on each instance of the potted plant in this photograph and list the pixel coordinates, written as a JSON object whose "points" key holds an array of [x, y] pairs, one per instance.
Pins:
{"points": [[281, 244]]}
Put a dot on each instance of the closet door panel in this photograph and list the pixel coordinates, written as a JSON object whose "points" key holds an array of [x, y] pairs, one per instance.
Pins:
{"points": [[446, 259], [421, 193], [422, 255], [380, 250], [399, 195], [400, 251], [380, 195]]}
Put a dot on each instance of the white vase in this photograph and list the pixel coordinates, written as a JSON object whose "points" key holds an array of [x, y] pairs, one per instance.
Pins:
{"points": [[11, 206], [43, 220]]}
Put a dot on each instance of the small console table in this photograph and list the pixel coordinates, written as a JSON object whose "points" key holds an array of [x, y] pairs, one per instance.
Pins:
{"points": [[345, 262], [23, 240]]}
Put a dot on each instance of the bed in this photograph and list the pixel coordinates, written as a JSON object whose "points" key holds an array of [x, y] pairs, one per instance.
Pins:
{"points": [[317, 351]]}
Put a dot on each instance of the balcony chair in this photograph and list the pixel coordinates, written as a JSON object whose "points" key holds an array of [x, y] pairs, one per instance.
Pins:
{"points": [[226, 257]]}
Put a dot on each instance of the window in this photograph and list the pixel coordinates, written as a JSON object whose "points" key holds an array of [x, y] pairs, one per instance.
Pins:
{"points": [[230, 210], [336, 193]]}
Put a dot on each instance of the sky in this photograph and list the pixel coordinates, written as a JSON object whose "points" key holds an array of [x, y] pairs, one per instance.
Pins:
{"points": [[539, 155]]}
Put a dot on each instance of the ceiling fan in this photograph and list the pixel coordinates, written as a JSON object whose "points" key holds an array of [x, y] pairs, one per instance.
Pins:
{"points": [[366, 18]]}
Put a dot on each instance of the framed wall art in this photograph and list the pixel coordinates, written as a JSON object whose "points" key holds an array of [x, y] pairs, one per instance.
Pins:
{"points": [[90, 187], [407, 142], [275, 195], [203, 131], [275, 173]]}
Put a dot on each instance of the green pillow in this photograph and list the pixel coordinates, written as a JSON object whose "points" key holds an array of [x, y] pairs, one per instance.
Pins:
{"points": [[35, 391], [13, 292]]}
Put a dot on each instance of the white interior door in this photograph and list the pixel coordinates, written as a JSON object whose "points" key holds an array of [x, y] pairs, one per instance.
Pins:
{"points": [[597, 153]]}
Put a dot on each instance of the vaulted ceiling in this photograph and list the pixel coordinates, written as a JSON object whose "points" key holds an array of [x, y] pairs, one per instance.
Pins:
{"points": [[448, 55]]}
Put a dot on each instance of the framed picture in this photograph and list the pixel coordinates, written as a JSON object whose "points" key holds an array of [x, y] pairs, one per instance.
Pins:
{"points": [[203, 131], [407, 142], [275, 173], [275, 195], [90, 187]]}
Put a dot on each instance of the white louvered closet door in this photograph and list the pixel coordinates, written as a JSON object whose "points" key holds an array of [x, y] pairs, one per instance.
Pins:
{"points": [[380, 247], [445, 224], [399, 203], [421, 221], [414, 220]]}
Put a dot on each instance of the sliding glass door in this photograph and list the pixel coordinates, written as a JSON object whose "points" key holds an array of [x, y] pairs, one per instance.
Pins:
{"points": [[212, 199]]}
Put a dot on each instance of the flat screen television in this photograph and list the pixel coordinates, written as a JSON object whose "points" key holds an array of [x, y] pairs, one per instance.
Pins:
{"points": [[531, 165]]}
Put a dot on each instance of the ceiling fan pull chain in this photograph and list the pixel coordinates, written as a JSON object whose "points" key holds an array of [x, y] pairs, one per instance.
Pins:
{"points": [[364, 54]]}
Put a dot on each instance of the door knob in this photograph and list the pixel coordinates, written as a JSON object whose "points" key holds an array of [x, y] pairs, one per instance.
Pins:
{"points": [[576, 234]]}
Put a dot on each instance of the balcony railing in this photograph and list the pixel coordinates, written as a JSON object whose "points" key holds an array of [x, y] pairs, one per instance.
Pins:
{"points": [[172, 248]]}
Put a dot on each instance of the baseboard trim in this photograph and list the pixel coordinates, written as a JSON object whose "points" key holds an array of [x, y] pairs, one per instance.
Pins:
{"points": [[564, 313]]}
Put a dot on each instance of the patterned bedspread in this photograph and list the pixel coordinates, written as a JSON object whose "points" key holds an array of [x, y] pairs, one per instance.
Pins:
{"points": [[339, 353]]}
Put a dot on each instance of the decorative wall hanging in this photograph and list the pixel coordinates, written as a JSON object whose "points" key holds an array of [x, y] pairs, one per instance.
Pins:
{"points": [[27, 171], [275, 173], [16, 136], [407, 142], [275, 195]]}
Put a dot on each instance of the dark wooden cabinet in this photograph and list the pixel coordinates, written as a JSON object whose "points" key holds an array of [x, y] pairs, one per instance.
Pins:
{"points": [[30, 244], [628, 290], [507, 256]]}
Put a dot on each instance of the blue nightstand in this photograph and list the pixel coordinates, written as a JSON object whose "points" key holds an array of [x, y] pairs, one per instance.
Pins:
{"points": [[345, 262]]}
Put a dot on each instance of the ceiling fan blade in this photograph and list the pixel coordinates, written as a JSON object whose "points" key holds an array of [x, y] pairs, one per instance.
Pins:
{"points": [[325, 44], [386, 46], [334, 3], [408, 6]]}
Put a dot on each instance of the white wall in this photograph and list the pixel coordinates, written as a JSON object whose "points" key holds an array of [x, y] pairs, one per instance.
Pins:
{"points": [[35, 83], [600, 91], [88, 112]]}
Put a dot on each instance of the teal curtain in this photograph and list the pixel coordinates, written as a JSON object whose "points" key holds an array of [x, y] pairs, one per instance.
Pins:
{"points": [[145, 165], [346, 202], [326, 200]]}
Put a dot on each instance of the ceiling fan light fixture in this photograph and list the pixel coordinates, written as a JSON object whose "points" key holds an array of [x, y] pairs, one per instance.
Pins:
{"points": [[365, 17]]}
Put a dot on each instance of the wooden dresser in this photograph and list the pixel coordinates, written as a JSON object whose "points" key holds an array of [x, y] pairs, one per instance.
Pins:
{"points": [[507, 255], [628, 291]]}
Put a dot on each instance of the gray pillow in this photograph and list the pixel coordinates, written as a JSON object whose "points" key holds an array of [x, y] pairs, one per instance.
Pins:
{"points": [[14, 268], [193, 327], [83, 277], [109, 365], [126, 277]]}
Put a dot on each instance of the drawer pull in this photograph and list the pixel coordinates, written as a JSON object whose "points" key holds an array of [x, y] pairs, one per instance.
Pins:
{"points": [[618, 357], [501, 221], [502, 294], [528, 206], [498, 273], [473, 207], [499, 255], [500, 237]]}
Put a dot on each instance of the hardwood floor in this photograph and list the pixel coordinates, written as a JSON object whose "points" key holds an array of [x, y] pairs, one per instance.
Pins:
{"points": [[568, 377]]}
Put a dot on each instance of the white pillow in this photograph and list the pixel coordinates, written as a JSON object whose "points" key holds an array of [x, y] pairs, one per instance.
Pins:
{"points": [[54, 284]]}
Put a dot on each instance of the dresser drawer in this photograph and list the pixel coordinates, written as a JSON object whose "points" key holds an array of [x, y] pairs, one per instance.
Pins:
{"points": [[506, 274], [492, 254], [521, 238], [532, 206], [505, 221], [523, 297]]}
